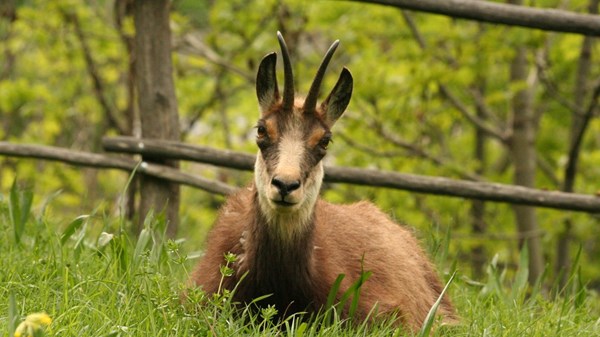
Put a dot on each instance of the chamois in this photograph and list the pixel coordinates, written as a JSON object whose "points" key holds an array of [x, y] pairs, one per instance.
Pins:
{"points": [[291, 244]]}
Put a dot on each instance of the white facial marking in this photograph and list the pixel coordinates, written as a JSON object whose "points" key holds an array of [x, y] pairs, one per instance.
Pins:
{"points": [[289, 221], [291, 153]]}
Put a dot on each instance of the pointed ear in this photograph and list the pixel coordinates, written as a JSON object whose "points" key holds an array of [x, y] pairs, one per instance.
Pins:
{"points": [[267, 90], [335, 104]]}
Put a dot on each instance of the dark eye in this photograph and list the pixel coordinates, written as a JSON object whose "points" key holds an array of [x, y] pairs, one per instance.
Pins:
{"points": [[324, 142], [262, 136], [261, 131]]}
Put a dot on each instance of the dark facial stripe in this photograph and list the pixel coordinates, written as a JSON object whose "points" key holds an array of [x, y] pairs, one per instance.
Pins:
{"points": [[309, 127]]}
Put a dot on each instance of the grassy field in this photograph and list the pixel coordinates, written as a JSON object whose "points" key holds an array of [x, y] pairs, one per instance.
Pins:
{"points": [[93, 279]]}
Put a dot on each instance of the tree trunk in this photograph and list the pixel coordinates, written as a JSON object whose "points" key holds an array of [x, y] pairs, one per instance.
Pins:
{"points": [[479, 225], [522, 147], [157, 103], [578, 125]]}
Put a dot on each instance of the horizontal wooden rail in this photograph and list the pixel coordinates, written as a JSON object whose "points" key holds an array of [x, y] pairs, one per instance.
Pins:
{"points": [[237, 160], [506, 14], [410, 182], [96, 160]]}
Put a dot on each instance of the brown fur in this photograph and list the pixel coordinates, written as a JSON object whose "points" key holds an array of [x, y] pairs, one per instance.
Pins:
{"points": [[345, 237], [292, 245]]}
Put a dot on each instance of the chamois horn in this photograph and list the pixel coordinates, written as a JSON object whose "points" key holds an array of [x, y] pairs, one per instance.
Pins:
{"points": [[310, 103], [288, 76]]}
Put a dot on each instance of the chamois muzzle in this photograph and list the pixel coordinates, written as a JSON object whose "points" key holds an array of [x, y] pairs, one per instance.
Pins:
{"points": [[285, 187]]}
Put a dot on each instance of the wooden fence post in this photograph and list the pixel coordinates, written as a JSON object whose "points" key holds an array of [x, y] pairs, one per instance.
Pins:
{"points": [[157, 103]]}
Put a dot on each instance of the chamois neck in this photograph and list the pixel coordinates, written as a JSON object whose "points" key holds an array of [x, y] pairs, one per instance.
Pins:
{"points": [[285, 227], [282, 268]]}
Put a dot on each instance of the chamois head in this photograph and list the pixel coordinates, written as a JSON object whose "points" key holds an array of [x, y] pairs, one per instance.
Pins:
{"points": [[292, 136]]}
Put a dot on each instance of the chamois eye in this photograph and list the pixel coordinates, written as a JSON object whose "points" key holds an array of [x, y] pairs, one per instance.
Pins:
{"points": [[262, 136], [324, 142], [261, 131]]}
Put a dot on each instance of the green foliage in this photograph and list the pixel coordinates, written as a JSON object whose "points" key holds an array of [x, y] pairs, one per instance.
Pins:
{"points": [[496, 279], [398, 118], [118, 286]]}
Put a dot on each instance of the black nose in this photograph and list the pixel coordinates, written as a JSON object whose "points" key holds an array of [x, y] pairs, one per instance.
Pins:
{"points": [[285, 187]]}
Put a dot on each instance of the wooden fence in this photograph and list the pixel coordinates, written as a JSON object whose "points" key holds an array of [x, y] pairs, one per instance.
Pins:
{"points": [[479, 190]]}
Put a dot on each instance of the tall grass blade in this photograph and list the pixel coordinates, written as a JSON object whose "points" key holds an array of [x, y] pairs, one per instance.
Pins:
{"points": [[539, 285], [79, 241], [578, 288], [143, 239], [122, 210], [121, 247], [493, 285], [334, 291], [581, 294], [13, 314], [301, 329], [141, 245], [569, 288], [442, 257], [364, 276], [520, 284], [430, 319], [158, 252], [47, 200], [14, 211], [72, 228], [329, 310], [19, 205]]}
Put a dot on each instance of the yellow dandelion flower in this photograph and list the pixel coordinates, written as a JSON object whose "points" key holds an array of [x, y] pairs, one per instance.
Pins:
{"points": [[32, 324]]}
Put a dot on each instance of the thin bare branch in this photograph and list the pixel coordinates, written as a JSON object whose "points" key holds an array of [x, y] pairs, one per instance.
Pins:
{"points": [[483, 108], [414, 30], [548, 170], [192, 44], [460, 106], [98, 85], [578, 137], [420, 152], [581, 116], [478, 122]]}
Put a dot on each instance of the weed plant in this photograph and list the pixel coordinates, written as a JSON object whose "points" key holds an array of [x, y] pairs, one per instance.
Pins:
{"points": [[94, 279]]}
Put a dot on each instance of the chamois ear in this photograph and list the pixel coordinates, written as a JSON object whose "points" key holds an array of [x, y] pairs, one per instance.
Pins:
{"points": [[267, 90], [335, 104]]}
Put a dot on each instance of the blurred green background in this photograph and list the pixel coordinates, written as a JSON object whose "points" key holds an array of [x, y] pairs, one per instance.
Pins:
{"points": [[399, 118]]}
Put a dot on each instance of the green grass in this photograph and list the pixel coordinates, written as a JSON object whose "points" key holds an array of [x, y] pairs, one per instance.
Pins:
{"points": [[93, 279]]}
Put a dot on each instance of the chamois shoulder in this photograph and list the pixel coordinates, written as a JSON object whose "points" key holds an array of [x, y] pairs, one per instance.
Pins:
{"points": [[362, 232], [234, 218]]}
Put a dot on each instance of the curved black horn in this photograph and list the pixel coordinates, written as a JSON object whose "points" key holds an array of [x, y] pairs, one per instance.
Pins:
{"points": [[311, 99], [288, 76]]}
